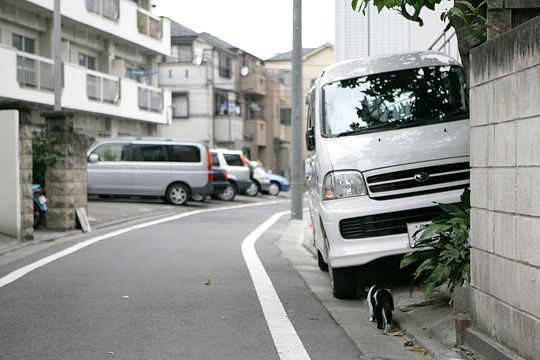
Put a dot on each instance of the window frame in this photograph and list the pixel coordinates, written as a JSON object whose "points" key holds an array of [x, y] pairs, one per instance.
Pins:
{"points": [[225, 65], [180, 94]]}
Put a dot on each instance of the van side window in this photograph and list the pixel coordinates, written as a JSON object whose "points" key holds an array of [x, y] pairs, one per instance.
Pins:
{"points": [[148, 152], [111, 152], [183, 153], [233, 159]]}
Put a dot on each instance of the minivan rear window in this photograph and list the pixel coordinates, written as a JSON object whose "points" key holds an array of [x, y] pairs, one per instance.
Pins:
{"points": [[185, 153], [233, 159], [392, 100], [148, 152], [215, 160]]}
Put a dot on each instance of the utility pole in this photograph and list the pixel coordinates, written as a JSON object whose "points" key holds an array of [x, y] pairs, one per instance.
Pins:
{"points": [[297, 173], [57, 56]]}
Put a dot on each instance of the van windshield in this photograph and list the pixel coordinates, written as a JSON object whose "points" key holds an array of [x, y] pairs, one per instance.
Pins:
{"points": [[392, 100]]}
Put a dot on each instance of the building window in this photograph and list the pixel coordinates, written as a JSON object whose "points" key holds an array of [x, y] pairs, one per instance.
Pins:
{"points": [[285, 77], [24, 44], [225, 65], [107, 8], [227, 103], [180, 105], [87, 61], [285, 116], [180, 54]]}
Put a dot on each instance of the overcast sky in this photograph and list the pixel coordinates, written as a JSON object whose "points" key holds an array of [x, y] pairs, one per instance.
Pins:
{"points": [[260, 27]]}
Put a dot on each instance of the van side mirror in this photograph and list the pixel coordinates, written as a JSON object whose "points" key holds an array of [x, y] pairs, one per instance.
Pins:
{"points": [[93, 158], [310, 138]]}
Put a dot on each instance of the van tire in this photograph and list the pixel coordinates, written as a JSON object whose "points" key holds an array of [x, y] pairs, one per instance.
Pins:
{"points": [[198, 197], [253, 189], [343, 282], [320, 260], [229, 193], [177, 194]]}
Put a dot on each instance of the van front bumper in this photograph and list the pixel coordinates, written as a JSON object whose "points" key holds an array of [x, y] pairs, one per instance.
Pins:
{"points": [[349, 224]]}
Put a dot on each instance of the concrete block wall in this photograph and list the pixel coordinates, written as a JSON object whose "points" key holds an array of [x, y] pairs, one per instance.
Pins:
{"points": [[505, 161]]}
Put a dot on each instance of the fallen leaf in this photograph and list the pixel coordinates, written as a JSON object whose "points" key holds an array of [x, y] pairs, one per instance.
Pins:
{"points": [[395, 333], [209, 282], [409, 343], [419, 350]]}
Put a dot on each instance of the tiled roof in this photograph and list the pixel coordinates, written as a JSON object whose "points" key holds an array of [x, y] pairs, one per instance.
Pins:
{"points": [[180, 30], [288, 55]]}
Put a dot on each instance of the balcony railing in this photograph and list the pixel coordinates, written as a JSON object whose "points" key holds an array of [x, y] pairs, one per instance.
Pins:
{"points": [[34, 71], [109, 9], [150, 98], [102, 87], [149, 24]]}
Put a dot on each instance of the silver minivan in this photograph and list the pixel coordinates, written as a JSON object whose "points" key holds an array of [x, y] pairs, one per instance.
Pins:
{"points": [[172, 169]]}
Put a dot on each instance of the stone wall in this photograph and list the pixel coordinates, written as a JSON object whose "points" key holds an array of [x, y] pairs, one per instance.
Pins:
{"points": [[25, 165], [66, 179], [505, 161]]}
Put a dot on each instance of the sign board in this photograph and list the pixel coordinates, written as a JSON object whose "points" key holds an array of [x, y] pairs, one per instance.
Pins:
{"points": [[83, 219]]}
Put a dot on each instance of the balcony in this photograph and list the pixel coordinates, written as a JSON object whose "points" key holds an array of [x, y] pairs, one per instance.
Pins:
{"points": [[253, 84], [258, 129], [102, 87], [34, 72], [116, 18], [149, 24], [150, 98], [29, 78], [229, 128]]}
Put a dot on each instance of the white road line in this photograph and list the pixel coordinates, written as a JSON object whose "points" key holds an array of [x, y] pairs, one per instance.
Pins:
{"points": [[288, 344], [17, 274]]}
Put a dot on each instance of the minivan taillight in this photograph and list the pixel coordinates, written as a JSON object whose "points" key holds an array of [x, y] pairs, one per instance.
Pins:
{"points": [[210, 172], [225, 175], [243, 159]]}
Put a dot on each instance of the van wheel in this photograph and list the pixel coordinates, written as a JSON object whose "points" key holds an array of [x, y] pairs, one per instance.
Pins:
{"points": [[343, 282], [177, 194], [229, 193], [320, 260], [198, 197]]}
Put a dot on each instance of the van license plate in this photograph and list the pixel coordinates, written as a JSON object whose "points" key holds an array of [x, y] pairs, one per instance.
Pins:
{"points": [[415, 231]]}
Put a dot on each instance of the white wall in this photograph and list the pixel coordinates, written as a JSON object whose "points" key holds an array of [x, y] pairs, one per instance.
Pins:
{"points": [[10, 189]]}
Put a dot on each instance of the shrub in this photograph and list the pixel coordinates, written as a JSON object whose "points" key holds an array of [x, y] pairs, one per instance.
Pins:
{"points": [[446, 260], [41, 157]]}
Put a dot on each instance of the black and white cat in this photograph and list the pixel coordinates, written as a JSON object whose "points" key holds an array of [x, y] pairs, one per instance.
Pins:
{"points": [[381, 305]]}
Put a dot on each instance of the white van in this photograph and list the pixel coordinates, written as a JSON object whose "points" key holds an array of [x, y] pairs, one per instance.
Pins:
{"points": [[387, 138]]}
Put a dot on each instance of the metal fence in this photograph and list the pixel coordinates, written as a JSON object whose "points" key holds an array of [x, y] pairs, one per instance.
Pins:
{"points": [[102, 87], [150, 98]]}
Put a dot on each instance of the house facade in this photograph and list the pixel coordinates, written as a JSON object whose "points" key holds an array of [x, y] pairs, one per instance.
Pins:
{"points": [[226, 97]]}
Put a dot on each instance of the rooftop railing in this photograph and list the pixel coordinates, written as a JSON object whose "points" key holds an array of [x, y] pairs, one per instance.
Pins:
{"points": [[109, 9]]}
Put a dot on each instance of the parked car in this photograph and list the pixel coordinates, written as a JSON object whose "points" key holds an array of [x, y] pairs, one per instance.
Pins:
{"points": [[223, 187], [260, 181], [277, 184], [236, 165], [171, 169], [388, 138]]}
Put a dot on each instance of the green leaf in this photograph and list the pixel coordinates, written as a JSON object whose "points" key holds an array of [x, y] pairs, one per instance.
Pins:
{"points": [[466, 3], [456, 12], [354, 4]]}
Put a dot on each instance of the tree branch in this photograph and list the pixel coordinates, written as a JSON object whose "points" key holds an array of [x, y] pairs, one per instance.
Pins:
{"points": [[413, 17]]}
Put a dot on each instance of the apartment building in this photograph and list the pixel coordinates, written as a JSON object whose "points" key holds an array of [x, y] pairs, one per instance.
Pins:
{"points": [[109, 63], [377, 33], [223, 95], [314, 60]]}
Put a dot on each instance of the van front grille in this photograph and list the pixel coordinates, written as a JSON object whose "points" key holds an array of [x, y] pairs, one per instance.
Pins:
{"points": [[385, 224], [417, 180]]}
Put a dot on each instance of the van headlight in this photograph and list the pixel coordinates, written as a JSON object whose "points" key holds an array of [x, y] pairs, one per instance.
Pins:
{"points": [[343, 184]]}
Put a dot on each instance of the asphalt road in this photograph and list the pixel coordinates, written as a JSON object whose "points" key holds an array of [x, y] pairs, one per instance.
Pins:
{"points": [[174, 290]]}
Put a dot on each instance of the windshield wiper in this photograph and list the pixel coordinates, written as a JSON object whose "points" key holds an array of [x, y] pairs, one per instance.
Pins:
{"points": [[366, 129]]}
